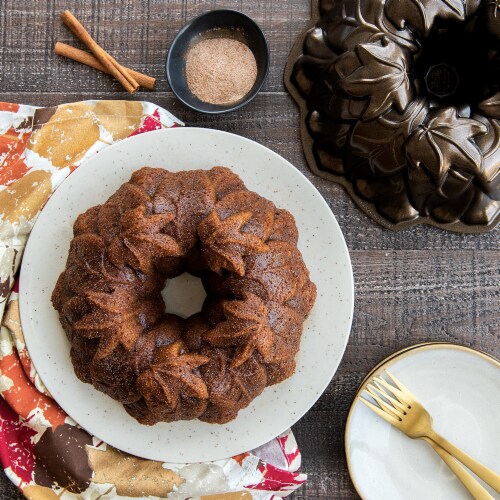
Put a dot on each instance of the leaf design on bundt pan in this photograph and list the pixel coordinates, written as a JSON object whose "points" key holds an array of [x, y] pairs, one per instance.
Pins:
{"points": [[489, 145], [444, 143], [360, 22], [381, 141], [347, 144], [224, 244], [115, 319], [491, 106], [493, 17], [246, 328], [383, 77], [420, 14], [172, 374], [142, 241], [355, 26]]}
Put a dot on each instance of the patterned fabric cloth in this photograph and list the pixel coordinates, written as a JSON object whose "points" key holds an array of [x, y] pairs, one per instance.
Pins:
{"points": [[42, 450]]}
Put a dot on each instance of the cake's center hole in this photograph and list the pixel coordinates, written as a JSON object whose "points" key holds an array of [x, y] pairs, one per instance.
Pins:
{"points": [[183, 295]]}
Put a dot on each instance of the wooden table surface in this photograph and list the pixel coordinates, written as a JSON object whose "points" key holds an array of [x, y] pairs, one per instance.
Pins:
{"points": [[418, 285]]}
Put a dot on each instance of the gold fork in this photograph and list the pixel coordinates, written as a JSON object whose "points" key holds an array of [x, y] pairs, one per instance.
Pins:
{"points": [[399, 407]]}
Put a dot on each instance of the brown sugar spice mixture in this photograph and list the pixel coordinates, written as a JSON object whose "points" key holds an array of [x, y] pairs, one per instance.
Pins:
{"points": [[220, 70]]}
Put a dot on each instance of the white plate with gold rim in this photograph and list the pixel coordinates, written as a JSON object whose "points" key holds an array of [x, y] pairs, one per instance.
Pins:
{"points": [[460, 387], [326, 331]]}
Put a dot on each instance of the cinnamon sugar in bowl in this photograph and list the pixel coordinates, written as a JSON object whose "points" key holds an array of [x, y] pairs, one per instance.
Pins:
{"points": [[218, 62]]}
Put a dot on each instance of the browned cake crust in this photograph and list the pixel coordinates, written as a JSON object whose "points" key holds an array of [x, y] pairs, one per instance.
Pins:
{"points": [[157, 226]]}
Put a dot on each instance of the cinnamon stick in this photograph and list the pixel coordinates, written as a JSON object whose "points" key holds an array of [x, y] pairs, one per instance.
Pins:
{"points": [[115, 69], [65, 50]]}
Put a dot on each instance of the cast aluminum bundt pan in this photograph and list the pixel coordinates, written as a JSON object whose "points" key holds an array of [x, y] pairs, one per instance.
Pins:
{"points": [[400, 104]]}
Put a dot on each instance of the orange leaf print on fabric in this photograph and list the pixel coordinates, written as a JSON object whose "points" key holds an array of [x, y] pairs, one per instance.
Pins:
{"points": [[12, 144], [239, 458], [68, 134], [9, 106], [11, 171], [119, 118], [26, 196], [132, 476], [22, 395]]}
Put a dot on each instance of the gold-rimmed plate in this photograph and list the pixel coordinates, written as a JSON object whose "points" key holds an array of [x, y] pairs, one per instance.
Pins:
{"points": [[461, 389]]}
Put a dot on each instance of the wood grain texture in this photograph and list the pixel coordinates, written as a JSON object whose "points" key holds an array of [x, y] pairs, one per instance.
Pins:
{"points": [[137, 33], [272, 119], [413, 286]]}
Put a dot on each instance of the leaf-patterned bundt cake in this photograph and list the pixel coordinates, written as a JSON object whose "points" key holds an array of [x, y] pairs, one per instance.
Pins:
{"points": [[155, 227], [400, 103]]}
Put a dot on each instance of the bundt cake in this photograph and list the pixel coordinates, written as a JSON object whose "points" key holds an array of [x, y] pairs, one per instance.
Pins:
{"points": [[155, 227], [400, 104]]}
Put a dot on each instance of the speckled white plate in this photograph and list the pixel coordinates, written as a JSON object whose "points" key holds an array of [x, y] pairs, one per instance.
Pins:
{"points": [[460, 387], [325, 332]]}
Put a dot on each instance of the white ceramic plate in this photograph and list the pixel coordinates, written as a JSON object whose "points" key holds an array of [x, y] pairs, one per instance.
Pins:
{"points": [[325, 332], [460, 388]]}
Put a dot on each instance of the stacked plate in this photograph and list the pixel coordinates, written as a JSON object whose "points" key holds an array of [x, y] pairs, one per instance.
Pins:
{"points": [[460, 387]]}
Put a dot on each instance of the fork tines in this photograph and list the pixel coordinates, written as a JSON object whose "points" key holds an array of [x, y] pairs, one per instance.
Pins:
{"points": [[393, 399]]}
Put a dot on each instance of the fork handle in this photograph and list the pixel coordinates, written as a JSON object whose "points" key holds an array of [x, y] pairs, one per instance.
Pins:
{"points": [[487, 475], [471, 484]]}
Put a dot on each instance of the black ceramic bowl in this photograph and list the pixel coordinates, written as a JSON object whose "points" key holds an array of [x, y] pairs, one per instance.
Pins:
{"points": [[230, 24]]}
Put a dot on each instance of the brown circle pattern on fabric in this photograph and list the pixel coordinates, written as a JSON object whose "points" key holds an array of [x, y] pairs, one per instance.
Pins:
{"points": [[61, 458], [155, 227]]}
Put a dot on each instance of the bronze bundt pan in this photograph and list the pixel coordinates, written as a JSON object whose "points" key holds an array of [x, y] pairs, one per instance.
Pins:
{"points": [[400, 104]]}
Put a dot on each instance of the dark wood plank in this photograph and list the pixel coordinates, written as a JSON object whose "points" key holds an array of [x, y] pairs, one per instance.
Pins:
{"points": [[7, 490], [137, 33]]}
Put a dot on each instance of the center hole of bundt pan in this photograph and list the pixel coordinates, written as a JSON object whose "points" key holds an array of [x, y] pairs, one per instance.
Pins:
{"points": [[453, 65], [183, 295], [441, 80]]}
